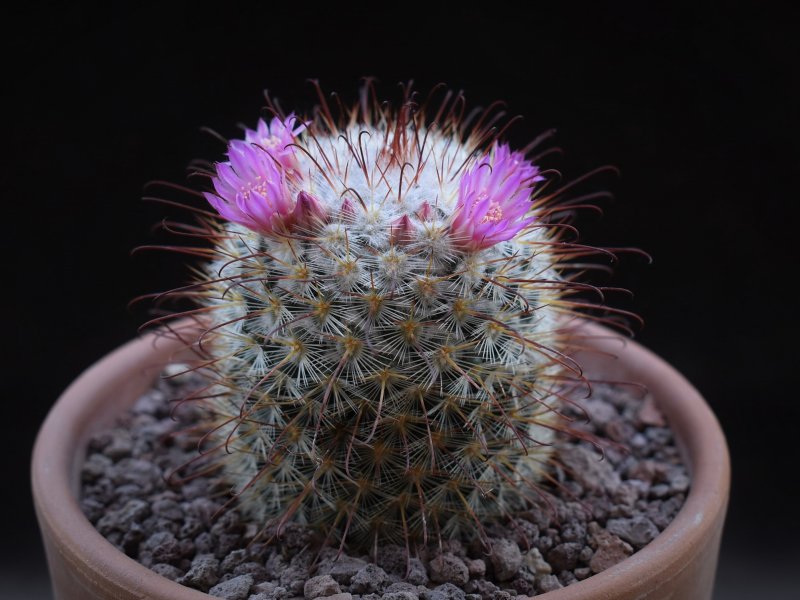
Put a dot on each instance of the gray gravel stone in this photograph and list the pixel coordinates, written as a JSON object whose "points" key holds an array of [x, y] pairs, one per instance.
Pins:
{"points": [[342, 568], [320, 586], [232, 560], [121, 445], [168, 509], [567, 578], [637, 531], [276, 565], [524, 586], [134, 511], [506, 559], [678, 481], [417, 574], [626, 494], [548, 583], [251, 568], [294, 576], [369, 580], [141, 473], [599, 411], [93, 509], [205, 543], [203, 573], [271, 590], [574, 531], [620, 430], [237, 588], [524, 533], [163, 547], [476, 567], [392, 559], [168, 571], [341, 596], [402, 595], [95, 467], [448, 568], [446, 591], [589, 469], [482, 587], [401, 586], [582, 573], [540, 516], [660, 490], [564, 557]]}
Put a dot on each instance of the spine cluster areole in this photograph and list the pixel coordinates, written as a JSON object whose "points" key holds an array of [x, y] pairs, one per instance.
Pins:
{"points": [[388, 312]]}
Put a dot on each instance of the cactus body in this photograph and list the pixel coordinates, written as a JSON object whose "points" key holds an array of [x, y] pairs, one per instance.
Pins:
{"points": [[388, 300]]}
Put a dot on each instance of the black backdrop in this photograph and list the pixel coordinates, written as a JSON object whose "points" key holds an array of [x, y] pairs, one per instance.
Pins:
{"points": [[696, 106]]}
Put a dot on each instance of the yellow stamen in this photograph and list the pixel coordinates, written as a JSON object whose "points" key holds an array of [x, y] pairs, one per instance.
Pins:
{"points": [[494, 214]]}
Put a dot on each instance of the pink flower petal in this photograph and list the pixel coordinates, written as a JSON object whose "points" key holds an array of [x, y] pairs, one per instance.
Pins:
{"points": [[494, 198]]}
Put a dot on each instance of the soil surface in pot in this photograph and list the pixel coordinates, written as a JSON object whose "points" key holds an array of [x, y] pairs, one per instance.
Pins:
{"points": [[602, 509]]}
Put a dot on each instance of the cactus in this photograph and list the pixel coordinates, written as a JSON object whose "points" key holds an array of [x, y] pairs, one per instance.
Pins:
{"points": [[389, 299]]}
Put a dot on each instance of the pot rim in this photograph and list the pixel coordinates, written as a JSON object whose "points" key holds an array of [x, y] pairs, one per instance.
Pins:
{"points": [[58, 448]]}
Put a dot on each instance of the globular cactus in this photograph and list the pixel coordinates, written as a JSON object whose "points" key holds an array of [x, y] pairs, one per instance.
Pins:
{"points": [[388, 310]]}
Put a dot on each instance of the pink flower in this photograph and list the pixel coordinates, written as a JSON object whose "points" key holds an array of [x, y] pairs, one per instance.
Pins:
{"points": [[251, 190], [276, 138], [425, 212], [494, 199], [401, 230], [308, 212]]}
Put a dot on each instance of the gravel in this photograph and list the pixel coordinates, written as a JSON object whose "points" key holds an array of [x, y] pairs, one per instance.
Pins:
{"points": [[506, 559], [603, 509], [448, 568], [236, 588], [321, 586], [369, 579]]}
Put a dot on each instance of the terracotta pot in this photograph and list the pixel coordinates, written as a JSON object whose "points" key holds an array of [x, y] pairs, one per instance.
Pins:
{"points": [[679, 564]]}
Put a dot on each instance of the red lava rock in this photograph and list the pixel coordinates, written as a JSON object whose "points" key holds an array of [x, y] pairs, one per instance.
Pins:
{"points": [[609, 549], [564, 557]]}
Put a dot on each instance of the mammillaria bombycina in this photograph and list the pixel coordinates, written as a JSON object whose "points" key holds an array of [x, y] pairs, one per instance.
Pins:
{"points": [[389, 312]]}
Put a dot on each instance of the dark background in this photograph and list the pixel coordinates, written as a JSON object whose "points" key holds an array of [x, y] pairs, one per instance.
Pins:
{"points": [[698, 107]]}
